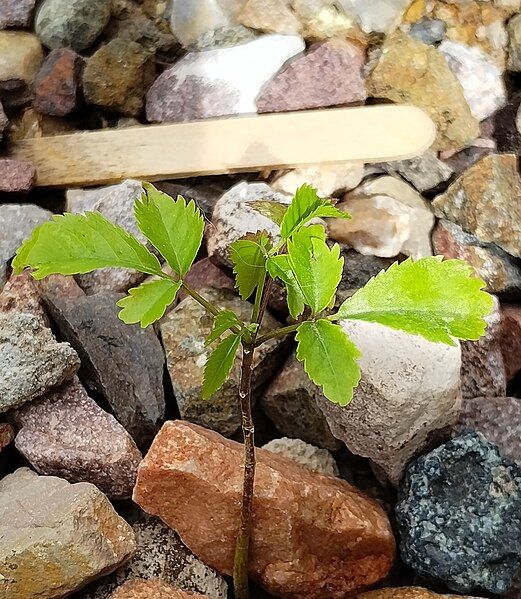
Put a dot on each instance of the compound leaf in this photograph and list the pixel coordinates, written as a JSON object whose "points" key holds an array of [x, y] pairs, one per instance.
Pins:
{"points": [[148, 302], [280, 267], [249, 256], [219, 365], [221, 323]]}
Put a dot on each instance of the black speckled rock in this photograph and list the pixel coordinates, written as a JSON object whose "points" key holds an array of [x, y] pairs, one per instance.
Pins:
{"points": [[459, 515]]}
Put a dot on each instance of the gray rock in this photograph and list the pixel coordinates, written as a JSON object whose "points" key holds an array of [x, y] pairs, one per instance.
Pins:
{"points": [[71, 23], [428, 31], [514, 48], [459, 516], [317, 460], [358, 269], [16, 13], [31, 360], [223, 37]]}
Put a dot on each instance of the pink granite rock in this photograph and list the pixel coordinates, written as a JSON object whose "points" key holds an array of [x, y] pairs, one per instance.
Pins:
{"points": [[20, 294], [16, 175], [151, 589], [16, 13]]}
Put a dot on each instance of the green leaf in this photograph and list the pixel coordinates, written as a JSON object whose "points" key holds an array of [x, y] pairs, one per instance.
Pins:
{"points": [[307, 205], [249, 256], [221, 323], [270, 209], [280, 267], [219, 365], [148, 302], [330, 359], [435, 298], [71, 244], [174, 227]]}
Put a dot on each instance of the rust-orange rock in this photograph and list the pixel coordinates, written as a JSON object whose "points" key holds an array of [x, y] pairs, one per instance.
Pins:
{"points": [[408, 593], [151, 589], [314, 536]]}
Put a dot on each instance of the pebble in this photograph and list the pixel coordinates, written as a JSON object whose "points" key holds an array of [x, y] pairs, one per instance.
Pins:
{"points": [[270, 16], [118, 75], [511, 339], [219, 82], [348, 541], [459, 516], [21, 56], [145, 589], [7, 435], [481, 202], [326, 20], [410, 72], [514, 48], [317, 460], [16, 13], [224, 37], [66, 434], [16, 176], [205, 274], [65, 536], [408, 394], [56, 86], [329, 74], [191, 19], [71, 23], [429, 31], [380, 16], [408, 593], [21, 294]]}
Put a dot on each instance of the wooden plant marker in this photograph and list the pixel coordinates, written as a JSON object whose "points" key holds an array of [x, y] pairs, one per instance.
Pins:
{"points": [[228, 145]]}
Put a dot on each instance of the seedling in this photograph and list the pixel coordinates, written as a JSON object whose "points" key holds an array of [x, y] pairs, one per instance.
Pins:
{"points": [[435, 298]]}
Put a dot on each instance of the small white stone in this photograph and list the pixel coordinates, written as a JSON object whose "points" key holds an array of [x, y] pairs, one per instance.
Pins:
{"points": [[377, 15], [327, 179]]}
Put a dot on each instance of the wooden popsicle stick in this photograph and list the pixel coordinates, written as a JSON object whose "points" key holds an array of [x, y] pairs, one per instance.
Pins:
{"points": [[228, 145]]}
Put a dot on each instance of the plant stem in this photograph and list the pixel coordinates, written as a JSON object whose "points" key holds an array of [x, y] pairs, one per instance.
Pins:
{"points": [[282, 332]]}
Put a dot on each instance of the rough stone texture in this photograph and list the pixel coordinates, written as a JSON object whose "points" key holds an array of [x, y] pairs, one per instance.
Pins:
{"points": [[485, 201], [66, 434], [184, 331], [191, 20], [64, 536], [118, 75], [459, 516], [358, 269], [71, 23], [479, 76], [408, 593], [205, 274], [291, 403], [21, 56], [16, 175], [7, 434], [20, 294], [123, 363], [224, 37], [56, 85], [507, 122], [511, 339], [330, 543], [16, 13], [31, 360], [330, 73], [271, 16], [219, 82], [408, 394], [514, 49], [377, 15], [389, 217], [309, 456], [498, 269], [321, 20], [429, 31], [410, 72], [232, 218], [145, 589]]}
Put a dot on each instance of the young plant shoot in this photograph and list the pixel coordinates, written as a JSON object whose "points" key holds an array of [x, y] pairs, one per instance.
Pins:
{"points": [[435, 298]]}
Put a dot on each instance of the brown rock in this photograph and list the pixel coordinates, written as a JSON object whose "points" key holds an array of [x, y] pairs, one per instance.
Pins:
{"points": [[16, 176], [148, 589], [22, 56], [408, 593], [271, 16], [16, 13], [511, 339], [205, 274], [6, 434], [20, 294], [314, 536]]}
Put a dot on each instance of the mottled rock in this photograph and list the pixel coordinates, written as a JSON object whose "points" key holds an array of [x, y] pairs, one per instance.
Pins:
{"points": [[224, 37], [429, 31], [21, 56], [309, 456], [66, 434], [485, 201], [408, 593], [459, 516], [122, 363], [64, 536], [514, 48], [219, 82], [291, 403], [377, 15], [16, 176], [334, 542], [324, 19], [31, 360], [16, 13], [496, 268], [118, 75], [20, 294], [511, 339], [145, 589], [412, 72], [56, 85], [408, 394], [191, 19], [71, 23], [330, 73], [7, 434], [270, 16], [184, 331]]}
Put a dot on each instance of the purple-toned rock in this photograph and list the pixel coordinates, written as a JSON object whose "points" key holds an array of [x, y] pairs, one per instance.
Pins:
{"points": [[21, 294], [328, 75], [56, 85], [16, 176], [511, 339], [66, 434], [16, 13]]}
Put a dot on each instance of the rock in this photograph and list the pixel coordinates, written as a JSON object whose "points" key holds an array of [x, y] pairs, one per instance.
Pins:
{"points": [[183, 331], [459, 515], [224, 37], [160, 557], [66, 434], [291, 403], [389, 217], [377, 15], [144, 589], [4, 121], [204, 193], [16, 13], [205, 274], [123, 363], [71, 23], [507, 123], [429, 31], [233, 217], [64, 536], [408, 593], [357, 271], [31, 360], [16, 223], [16, 176], [514, 49], [327, 75], [191, 19], [498, 419], [415, 73], [20, 294], [219, 82], [56, 85], [22, 56], [511, 339], [7, 434], [270, 16], [482, 368], [327, 179], [309, 456], [408, 395], [323, 19], [498, 269], [118, 75], [480, 77], [79, 201], [484, 202], [344, 539]]}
